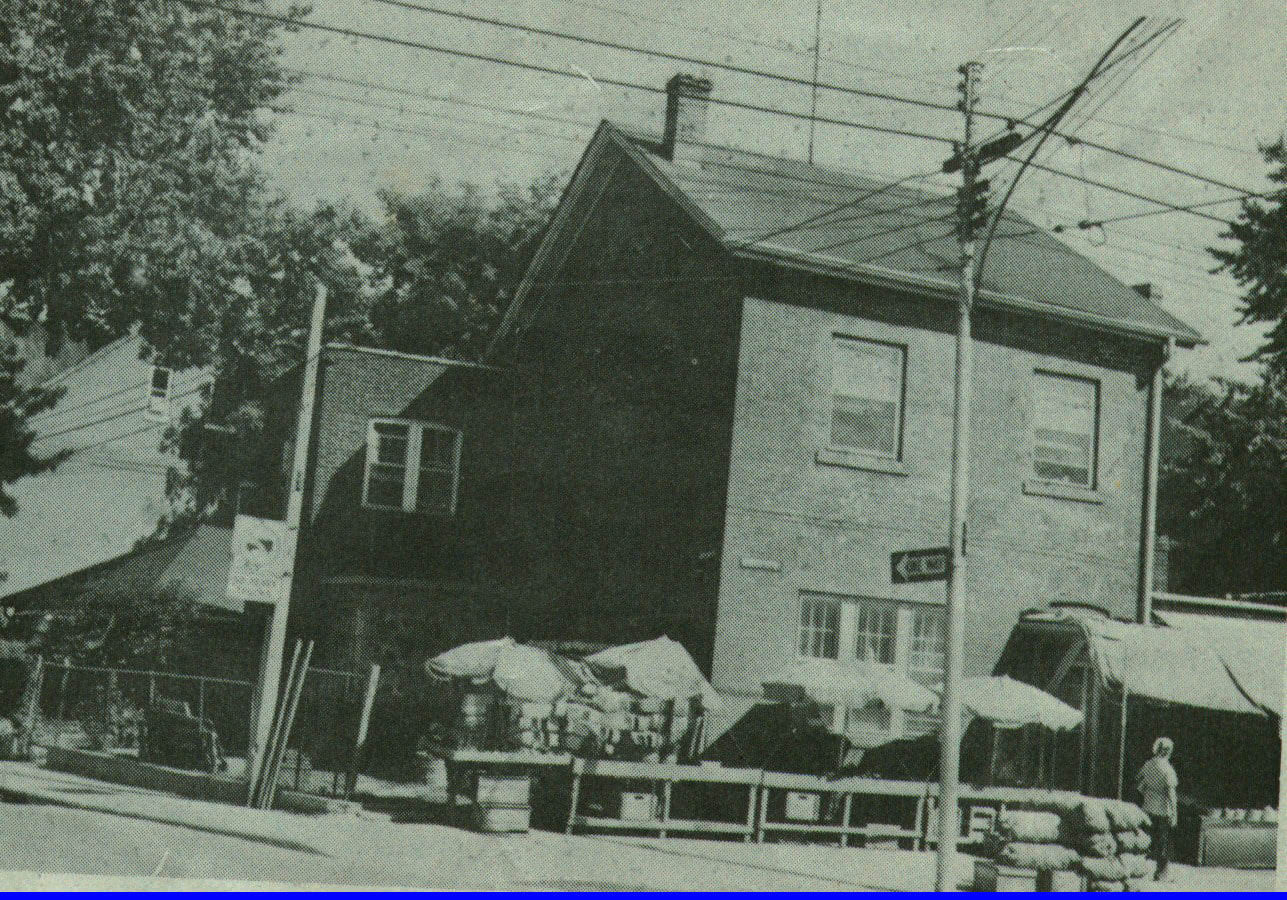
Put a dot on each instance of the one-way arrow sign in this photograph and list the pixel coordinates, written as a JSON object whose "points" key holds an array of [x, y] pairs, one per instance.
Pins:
{"points": [[908, 566]]}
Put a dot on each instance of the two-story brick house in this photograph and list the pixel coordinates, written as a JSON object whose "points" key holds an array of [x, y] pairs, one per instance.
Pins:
{"points": [[721, 398]]}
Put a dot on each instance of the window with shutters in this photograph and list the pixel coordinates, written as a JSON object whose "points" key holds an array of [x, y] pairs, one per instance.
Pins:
{"points": [[1065, 429], [411, 466], [867, 380]]}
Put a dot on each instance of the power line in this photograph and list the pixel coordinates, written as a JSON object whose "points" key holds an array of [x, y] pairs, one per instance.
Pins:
{"points": [[814, 84], [550, 70], [1171, 207], [82, 426], [62, 410]]}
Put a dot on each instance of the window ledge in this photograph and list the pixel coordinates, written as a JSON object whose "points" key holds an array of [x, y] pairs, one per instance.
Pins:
{"points": [[831, 456], [1036, 488]]}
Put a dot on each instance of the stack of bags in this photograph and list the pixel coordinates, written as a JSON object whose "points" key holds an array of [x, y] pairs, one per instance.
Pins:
{"points": [[1105, 840], [1030, 839]]}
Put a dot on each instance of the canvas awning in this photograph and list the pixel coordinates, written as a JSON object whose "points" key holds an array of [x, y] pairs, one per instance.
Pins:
{"points": [[660, 668], [1179, 665], [1010, 704], [1253, 651], [525, 673], [850, 684]]}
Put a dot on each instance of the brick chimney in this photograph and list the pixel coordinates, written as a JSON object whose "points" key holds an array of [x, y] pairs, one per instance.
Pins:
{"points": [[687, 100]]}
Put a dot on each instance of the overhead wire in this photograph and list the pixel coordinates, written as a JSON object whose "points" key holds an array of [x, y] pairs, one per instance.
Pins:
{"points": [[805, 82]]}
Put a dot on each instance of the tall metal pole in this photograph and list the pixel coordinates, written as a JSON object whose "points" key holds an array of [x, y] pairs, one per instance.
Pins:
{"points": [[950, 707], [274, 646]]}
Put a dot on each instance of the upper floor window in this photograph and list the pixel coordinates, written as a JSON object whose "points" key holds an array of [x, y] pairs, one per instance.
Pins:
{"points": [[867, 396], [158, 397], [1065, 429], [411, 466]]}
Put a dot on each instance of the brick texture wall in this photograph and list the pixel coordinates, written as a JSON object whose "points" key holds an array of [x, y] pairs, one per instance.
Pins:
{"points": [[832, 528]]}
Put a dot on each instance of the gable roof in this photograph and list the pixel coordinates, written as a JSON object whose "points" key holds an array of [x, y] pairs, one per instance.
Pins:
{"points": [[196, 560], [857, 228]]}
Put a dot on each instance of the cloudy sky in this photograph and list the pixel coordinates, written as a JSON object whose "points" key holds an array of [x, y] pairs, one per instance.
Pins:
{"points": [[371, 115]]}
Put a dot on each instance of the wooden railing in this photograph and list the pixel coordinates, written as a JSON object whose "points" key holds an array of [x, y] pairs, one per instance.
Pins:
{"points": [[853, 808]]}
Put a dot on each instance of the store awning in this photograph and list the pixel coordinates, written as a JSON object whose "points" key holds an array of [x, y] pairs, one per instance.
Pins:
{"points": [[1253, 651], [1174, 664], [1011, 704], [850, 684]]}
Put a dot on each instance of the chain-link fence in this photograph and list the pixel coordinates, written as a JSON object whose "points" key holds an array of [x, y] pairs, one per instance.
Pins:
{"points": [[106, 709]]}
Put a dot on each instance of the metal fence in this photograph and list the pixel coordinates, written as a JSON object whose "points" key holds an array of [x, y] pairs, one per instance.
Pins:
{"points": [[98, 708]]}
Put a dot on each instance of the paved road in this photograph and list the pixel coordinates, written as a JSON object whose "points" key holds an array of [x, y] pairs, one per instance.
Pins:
{"points": [[221, 843]]}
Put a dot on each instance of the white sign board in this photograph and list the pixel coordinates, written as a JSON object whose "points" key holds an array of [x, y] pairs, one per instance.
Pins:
{"points": [[263, 555]]}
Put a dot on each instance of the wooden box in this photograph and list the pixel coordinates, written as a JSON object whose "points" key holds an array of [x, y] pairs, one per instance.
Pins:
{"points": [[990, 876]]}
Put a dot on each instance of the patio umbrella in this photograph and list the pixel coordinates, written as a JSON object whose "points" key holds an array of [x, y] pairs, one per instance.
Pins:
{"points": [[659, 668], [849, 685], [525, 673], [1011, 704]]}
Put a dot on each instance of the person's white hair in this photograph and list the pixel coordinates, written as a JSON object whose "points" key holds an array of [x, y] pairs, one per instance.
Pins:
{"points": [[1163, 746]]}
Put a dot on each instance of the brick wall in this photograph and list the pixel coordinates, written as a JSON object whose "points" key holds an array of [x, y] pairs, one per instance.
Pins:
{"points": [[831, 528]]}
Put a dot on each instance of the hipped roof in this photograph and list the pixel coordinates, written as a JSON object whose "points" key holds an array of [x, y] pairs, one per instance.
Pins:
{"points": [[1209, 662], [862, 229]]}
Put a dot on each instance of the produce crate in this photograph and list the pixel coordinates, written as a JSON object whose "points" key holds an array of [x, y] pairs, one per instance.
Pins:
{"points": [[500, 819], [992, 877]]}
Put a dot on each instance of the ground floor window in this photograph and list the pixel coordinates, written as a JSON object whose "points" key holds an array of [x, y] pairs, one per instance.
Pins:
{"points": [[908, 637]]}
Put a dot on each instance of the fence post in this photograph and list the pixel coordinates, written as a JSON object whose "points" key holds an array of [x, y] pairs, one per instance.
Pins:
{"points": [[151, 688], [35, 687], [201, 698], [62, 690]]}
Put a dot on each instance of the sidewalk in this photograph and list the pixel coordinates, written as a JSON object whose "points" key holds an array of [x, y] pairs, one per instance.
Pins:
{"points": [[206, 841]]}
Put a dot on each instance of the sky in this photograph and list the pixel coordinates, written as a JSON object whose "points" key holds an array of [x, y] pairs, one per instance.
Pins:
{"points": [[372, 116]]}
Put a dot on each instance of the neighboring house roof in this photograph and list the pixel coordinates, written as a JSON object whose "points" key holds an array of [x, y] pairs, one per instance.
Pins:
{"points": [[862, 229], [1204, 661], [196, 560], [111, 491]]}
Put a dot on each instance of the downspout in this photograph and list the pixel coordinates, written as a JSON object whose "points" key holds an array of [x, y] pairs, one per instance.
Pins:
{"points": [[1152, 439]]}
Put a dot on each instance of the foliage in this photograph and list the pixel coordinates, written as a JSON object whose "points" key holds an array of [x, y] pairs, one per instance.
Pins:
{"points": [[17, 404], [128, 131], [433, 277], [139, 627], [1259, 262], [1223, 485], [446, 263]]}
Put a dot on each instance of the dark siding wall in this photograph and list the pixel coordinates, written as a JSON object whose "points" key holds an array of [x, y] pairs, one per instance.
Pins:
{"points": [[594, 462], [832, 528]]}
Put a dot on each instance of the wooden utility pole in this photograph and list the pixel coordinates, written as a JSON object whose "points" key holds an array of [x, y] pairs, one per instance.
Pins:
{"points": [[274, 646], [950, 707]]}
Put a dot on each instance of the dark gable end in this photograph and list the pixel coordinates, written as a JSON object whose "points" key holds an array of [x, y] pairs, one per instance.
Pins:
{"points": [[866, 231]]}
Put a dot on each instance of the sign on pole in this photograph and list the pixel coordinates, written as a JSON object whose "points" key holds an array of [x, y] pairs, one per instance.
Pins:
{"points": [[910, 566], [263, 556]]}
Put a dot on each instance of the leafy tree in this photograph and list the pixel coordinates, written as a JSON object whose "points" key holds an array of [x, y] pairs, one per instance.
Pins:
{"points": [[1223, 485], [1259, 262], [134, 627], [434, 277], [128, 132], [17, 404], [447, 262]]}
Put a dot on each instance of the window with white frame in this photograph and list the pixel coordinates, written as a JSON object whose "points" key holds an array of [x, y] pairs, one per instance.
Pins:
{"points": [[411, 466], [1065, 429], [867, 396], [910, 638], [158, 396], [820, 626]]}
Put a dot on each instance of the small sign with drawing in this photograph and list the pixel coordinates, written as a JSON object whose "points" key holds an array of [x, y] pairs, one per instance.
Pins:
{"points": [[263, 555]]}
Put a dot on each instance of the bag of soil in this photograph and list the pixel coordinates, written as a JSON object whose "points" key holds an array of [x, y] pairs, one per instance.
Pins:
{"points": [[1105, 887], [1100, 846], [1041, 857], [1102, 868], [1124, 816], [1136, 865], [1029, 827], [1133, 841]]}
